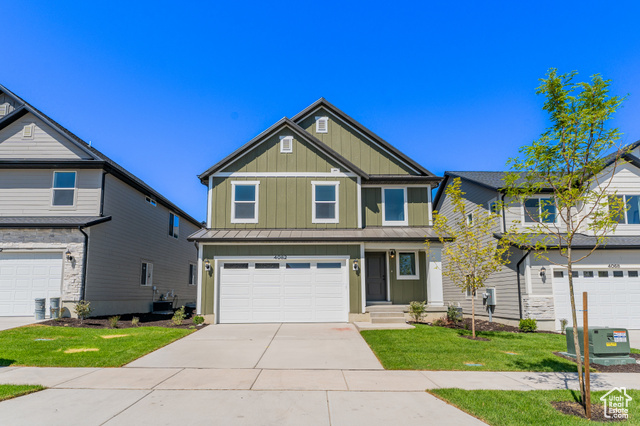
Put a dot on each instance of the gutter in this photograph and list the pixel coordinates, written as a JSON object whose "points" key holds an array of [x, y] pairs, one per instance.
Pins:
{"points": [[518, 277], [85, 255]]}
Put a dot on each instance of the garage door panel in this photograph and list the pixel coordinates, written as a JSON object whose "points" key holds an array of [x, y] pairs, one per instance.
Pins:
{"points": [[298, 316], [266, 303], [262, 316], [236, 290], [290, 290]]}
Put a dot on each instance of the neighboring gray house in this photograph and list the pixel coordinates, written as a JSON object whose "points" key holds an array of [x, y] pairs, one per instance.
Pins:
{"points": [[531, 288], [76, 225]]}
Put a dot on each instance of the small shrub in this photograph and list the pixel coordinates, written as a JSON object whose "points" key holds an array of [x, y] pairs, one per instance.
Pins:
{"points": [[113, 321], [440, 322], [563, 324], [528, 325], [198, 319], [178, 316], [135, 321], [417, 310], [83, 310], [453, 314]]}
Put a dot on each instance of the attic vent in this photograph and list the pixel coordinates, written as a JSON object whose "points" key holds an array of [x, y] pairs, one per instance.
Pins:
{"points": [[322, 124], [27, 131], [286, 144], [4, 109]]}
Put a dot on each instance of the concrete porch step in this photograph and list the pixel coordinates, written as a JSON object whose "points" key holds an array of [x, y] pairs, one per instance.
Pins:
{"points": [[387, 308], [399, 314], [393, 320]]}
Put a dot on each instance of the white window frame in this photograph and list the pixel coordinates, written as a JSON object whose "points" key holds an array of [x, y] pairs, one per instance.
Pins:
{"points": [[150, 201], [523, 214], [315, 183], [386, 222], [193, 277], [173, 232], [470, 219], [468, 293], [626, 218], [326, 126], [149, 277], [31, 127], [256, 184], [494, 201], [416, 276], [282, 148], [74, 189]]}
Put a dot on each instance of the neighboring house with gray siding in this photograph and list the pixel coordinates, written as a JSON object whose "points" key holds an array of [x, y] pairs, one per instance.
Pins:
{"points": [[315, 220], [76, 225], [529, 287]]}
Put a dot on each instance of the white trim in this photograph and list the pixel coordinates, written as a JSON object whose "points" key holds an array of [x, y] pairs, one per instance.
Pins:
{"points": [[336, 185], [363, 281], [365, 136], [359, 200], [147, 283], [284, 174], [527, 275], [256, 185], [589, 267], [209, 200], [387, 273], [74, 189], [282, 149], [404, 222], [626, 224], [430, 206], [326, 124], [216, 289], [199, 281], [416, 276], [249, 258]]}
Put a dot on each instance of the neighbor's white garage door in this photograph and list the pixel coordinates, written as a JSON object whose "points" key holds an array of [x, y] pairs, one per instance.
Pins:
{"points": [[26, 276], [614, 296], [255, 291]]}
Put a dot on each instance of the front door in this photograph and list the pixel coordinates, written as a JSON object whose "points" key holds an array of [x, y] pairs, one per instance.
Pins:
{"points": [[375, 276]]}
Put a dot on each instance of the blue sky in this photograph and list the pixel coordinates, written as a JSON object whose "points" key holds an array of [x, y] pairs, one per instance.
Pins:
{"points": [[167, 88]]}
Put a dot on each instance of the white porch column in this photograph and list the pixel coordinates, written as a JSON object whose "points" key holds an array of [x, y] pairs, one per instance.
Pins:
{"points": [[435, 294]]}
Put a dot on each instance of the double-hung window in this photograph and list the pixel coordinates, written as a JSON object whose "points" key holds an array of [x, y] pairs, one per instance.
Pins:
{"points": [[324, 206], [244, 202], [407, 265], [174, 225], [539, 210], [64, 189], [394, 207], [631, 214]]}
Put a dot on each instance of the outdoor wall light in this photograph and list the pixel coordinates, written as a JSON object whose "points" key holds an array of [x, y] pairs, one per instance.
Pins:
{"points": [[68, 255], [207, 265], [355, 265], [392, 254], [543, 272]]}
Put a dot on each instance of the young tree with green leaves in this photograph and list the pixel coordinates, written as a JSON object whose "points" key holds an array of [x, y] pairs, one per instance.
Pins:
{"points": [[569, 163], [472, 253]]}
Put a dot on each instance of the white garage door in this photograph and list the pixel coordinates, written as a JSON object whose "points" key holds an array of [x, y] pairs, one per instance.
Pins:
{"points": [[307, 290], [614, 296], [26, 276]]}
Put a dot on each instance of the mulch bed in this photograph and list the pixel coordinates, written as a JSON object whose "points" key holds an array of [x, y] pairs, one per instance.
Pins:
{"points": [[629, 368], [482, 325], [573, 408], [146, 320]]}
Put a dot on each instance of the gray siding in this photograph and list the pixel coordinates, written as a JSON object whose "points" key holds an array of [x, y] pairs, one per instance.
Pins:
{"points": [[138, 231], [45, 143], [27, 192]]}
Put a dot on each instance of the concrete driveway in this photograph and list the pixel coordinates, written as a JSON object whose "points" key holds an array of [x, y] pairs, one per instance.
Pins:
{"points": [[12, 322], [267, 346]]}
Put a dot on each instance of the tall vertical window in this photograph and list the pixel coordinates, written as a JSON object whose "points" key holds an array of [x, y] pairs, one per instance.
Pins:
{"points": [[192, 274], [394, 207], [146, 273], [64, 188], [631, 215], [325, 202], [540, 210], [244, 202], [174, 225]]}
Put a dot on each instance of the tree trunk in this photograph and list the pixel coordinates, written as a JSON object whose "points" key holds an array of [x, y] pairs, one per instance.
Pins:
{"points": [[473, 313], [576, 340]]}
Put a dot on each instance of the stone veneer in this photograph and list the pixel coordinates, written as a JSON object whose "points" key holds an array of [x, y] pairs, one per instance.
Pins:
{"points": [[540, 308], [51, 239]]}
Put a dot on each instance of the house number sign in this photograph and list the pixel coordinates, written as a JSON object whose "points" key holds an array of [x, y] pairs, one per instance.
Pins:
{"points": [[280, 256], [614, 265]]}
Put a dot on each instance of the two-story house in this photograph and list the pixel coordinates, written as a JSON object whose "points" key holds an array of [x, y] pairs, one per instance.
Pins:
{"points": [[532, 287], [313, 220], [76, 225]]}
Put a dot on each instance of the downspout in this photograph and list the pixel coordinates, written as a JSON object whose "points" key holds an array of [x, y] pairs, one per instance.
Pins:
{"points": [[84, 261], [504, 219], [518, 276], [104, 174]]}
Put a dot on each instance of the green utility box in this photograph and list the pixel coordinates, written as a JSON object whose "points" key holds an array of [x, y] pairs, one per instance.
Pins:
{"points": [[607, 346]]}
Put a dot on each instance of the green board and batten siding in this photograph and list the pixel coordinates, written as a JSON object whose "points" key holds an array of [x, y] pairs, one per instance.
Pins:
{"points": [[349, 143], [418, 208], [405, 291], [211, 251]]}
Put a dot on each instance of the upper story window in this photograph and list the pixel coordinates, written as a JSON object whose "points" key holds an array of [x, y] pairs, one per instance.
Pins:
{"points": [[322, 124], [286, 144], [174, 225], [631, 215], [64, 189], [244, 201], [494, 207], [394, 207], [470, 219], [150, 201], [325, 202], [539, 210]]}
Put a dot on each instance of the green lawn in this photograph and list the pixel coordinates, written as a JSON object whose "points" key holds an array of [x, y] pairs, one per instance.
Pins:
{"points": [[12, 391], [526, 407], [439, 348], [44, 346]]}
